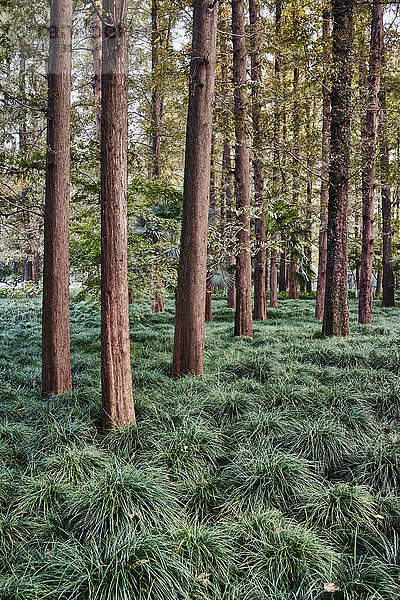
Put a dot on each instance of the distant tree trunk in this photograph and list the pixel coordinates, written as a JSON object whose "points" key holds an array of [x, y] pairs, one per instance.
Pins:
{"points": [[243, 315], [189, 323], [260, 293], [308, 248], [282, 273], [379, 282], [97, 28], [387, 254], [208, 311], [336, 314], [369, 164], [326, 120], [293, 267], [116, 376], [273, 298], [56, 359]]}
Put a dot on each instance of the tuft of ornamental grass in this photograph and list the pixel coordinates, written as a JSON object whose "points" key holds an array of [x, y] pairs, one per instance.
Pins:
{"points": [[201, 494], [38, 494], [259, 425], [122, 497], [269, 476], [368, 577], [281, 553], [130, 564], [74, 465], [379, 465]]}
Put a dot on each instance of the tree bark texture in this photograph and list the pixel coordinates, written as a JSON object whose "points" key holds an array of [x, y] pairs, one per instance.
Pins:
{"points": [[293, 266], [96, 53], [369, 144], [282, 272], [387, 244], [326, 121], [243, 315], [260, 292], [336, 314], [56, 359], [117, 394], [189, 323]]}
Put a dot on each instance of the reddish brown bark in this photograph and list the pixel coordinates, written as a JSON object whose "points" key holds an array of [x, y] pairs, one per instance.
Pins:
{"points": [[260, 293], [379, 282], [243, 314], [189, 323], [369, 144], [388, 282], [117, 395], [336, 314], [323, 233], [208, 310], [293, 281], [56, 359], [282, 273]]}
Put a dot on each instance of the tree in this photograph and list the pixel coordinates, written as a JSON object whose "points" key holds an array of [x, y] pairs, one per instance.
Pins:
{"points": [[293, 266], [260, 294], [96, 54], [336, 314], [387, 250], [369, 143], [188, 355], [243, 315], [56, 359], [116, 377], [326, 117]]}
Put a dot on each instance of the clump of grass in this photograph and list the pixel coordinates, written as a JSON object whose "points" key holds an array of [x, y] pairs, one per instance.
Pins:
{"points": [[268, 476], [123, 496], [226, 407], [201, 494], [131, 564], [38, 494], [209, 551], [368, 577], [75, 465], [258, 425], [282, 553], [379, 466]]}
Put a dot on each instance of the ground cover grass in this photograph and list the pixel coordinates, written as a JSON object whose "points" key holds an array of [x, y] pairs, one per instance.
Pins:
{"points": [[273, 474]]}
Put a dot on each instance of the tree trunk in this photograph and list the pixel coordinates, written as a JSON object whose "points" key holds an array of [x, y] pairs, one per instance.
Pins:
{"points": [[243, 315], [96, 53], [379, 282], [229, 199], [293, 266], [387, 255], [282, 273], [208, 311], [326, 120], [189, 323], [260, 293], [56, 358], [336, 314], [293, 293], [369, 164], [273, 298], [116, 376], [157, 98]]}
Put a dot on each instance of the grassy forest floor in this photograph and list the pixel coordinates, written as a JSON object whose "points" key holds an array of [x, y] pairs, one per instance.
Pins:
{"points": [[275, 473]]}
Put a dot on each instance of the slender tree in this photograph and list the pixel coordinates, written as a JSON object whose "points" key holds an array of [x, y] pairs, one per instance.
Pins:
{"points": [[293, 266], [117, 395], [273, 272], [336, 314], [96, 55], [369, 144], [56, 359], [326, 117], [260, 292], [189, 323], [387, 248], [243, 315]]}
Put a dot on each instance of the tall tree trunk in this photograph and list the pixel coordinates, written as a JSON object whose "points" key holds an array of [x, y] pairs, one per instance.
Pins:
{"points": [[229, 199], [189, 323], [273, 272], [97, 28], [379, 282], [293, 267], [336, 314], [116, 376], [282, 272], [260, 292], [157, 98], [387, 255], [369, 164], [243, 315], [326, 121], [56, 358]]}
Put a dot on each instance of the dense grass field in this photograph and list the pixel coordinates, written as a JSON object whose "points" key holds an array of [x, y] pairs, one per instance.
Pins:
{"points": [[275, 473]]}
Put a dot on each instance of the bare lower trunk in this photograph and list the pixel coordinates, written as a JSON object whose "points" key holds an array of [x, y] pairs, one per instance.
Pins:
{"points": [[293, 292], [369, 163], [56, 359], [260, 293], [189, 323], [208, 311], [336, 314], [243, 315], [116, 377], [323, 234], [379, 282], [387, 244], [273, 300], [282, 273], [158, 305]]}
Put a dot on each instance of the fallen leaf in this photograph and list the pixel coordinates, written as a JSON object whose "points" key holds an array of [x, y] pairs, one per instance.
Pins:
{"points": [[331, 587]]}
